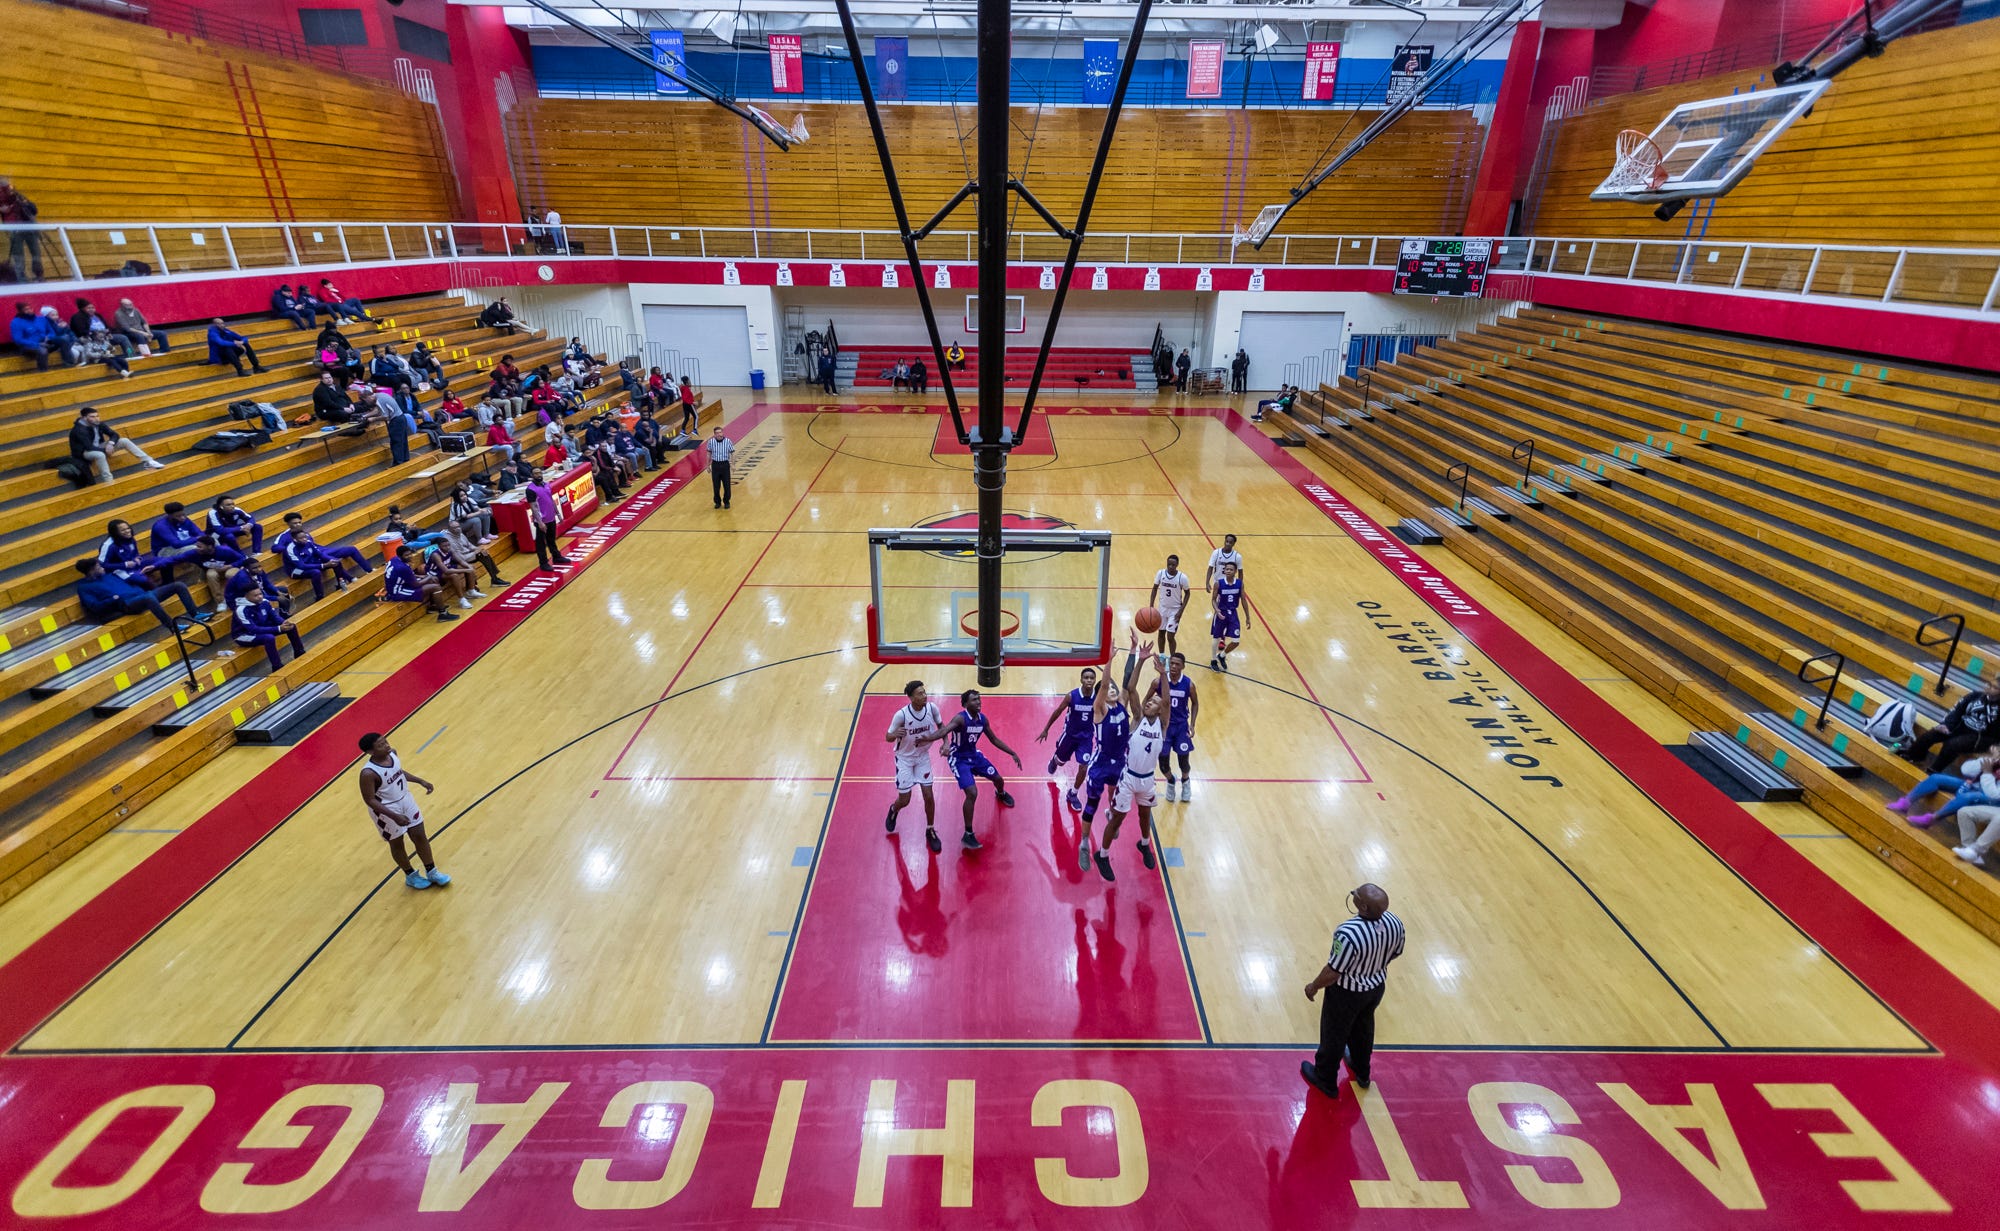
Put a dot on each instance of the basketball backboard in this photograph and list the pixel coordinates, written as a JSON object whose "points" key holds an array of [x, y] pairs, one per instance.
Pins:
{"points": [[1017, 314], [1703, 148], [1054, 585]]}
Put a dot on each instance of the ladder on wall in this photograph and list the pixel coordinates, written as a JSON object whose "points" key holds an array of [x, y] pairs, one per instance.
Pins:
{"points": [[794, 366]]}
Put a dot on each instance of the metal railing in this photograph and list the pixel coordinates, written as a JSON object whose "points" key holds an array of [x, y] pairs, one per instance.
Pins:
{"points": [[1957, 281]]}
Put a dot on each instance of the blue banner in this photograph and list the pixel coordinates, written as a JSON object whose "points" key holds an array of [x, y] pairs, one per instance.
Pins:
{"points": [[1100, 69], [670, 49], [892, 69]]}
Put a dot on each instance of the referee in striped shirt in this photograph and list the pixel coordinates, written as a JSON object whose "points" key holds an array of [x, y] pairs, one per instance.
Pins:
{"points": [[1354, 977]]}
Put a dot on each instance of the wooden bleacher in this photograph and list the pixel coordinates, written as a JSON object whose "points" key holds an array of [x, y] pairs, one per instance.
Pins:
{"points": [[78, 753], [1898, 151], [1069, 367], [617, 161], [107, 120], [1710, 513]]}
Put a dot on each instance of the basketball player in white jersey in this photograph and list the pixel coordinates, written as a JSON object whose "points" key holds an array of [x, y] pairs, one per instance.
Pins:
{"points": [[1169, 597], [1142, 758], [385, 789], [913, 730], [1225, 554]]}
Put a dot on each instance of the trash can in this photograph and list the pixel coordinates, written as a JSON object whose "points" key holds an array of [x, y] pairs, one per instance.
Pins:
{"points": [[756, 378]]}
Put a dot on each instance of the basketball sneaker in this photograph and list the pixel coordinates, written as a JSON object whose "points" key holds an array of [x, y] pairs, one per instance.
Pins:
{"points": [[970, 841], [1052, 767], [1146, 853], [1187, 791], [889, 822], [436, 877], [417, 880], [1104, 866], [1006, 800], [1083, 852], [1069, 797], [932, 840]]}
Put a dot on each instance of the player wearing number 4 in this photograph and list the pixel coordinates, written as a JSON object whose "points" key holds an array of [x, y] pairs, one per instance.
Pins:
{"points": [[968, 764], [1231, 616], [1141, 753]]}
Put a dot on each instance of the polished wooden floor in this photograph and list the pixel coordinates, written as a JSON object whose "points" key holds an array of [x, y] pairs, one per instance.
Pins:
{"points": [[635, 784]]}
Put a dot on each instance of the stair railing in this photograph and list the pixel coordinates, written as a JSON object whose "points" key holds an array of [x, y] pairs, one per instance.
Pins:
{"points": [[1957, 621], [1832, 681], [1526, 450], [1461, 471]]}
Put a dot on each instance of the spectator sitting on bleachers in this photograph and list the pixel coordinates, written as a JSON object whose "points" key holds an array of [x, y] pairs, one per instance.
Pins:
{"points": [[629, 380], [647, 432], [101, 347], [229, 524], [660, 388], [500, 436], [255, 620], [900, 374], [400, 525], [119, 553], [1973, 723], [106, 597], [173, 531], [133, 324], [290, 307], [626, 443], [66, 342], [225, 345], [425, 363], [469, 511], [584, 372], [212, 561], [405, 585], [252, 577], [457, 579], [547, 404], [920, 376], [332, 406], [505, 395], [1972, 784], [308, 561], [450, 410], [514, 472], [498, 316], [92, 442], [387, 367], [33, 336], [341, 305], [86, 322], [461, 541]]}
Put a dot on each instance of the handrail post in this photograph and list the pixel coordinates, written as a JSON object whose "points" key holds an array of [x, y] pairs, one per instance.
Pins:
{"points": [[1951, 655], [229, 247], [340, 229], [76, 269], [291, 247], [1527, 448], [1832, 682], [1462, 471]]}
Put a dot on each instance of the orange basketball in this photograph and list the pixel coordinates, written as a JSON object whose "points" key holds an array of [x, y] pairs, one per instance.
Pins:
{"points": [[1147, 620]]}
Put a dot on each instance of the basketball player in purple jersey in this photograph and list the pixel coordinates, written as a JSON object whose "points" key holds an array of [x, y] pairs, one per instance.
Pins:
{"points": [[968, 764], [1077, 710]]}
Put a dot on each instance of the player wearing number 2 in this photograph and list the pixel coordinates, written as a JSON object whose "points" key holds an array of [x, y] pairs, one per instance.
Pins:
{"points": [[968, 764], [1232, 615]]}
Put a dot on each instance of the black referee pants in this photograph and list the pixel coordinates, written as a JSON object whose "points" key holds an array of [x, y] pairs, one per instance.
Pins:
{"points": [[1346, 1024], [718, 475]]}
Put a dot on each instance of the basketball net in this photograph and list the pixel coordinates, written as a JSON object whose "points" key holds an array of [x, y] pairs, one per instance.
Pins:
{"points": [[1638, 167]]}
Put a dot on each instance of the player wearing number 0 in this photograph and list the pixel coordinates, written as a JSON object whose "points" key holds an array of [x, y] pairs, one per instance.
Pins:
{"points": [[1231, 615], [1183, 707], [1076, 709], [961, 752], [913, 730], [1135, 778], [1169, 596]]}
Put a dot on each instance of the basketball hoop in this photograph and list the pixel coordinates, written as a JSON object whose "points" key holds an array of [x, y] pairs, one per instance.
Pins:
{"points": [[1639, 166]]}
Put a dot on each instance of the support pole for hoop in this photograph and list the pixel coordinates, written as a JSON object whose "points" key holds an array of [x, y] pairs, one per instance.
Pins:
{"points": [[988, 444]]}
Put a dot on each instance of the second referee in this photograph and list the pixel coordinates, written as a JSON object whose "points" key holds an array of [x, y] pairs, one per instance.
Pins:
{"points": [[1354, 977]]}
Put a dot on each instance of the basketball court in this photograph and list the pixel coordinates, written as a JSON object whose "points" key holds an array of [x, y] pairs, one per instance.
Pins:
{"points": [[660, 790]]}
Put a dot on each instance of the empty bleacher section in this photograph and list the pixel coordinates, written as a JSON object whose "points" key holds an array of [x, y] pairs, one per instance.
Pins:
{"points": [[1170, 171], [1898, 151], [1716, 516], [107, 120], [97, 719]]}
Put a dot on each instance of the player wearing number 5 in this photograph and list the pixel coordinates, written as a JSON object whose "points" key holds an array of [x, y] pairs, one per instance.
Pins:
{"points": [[1232, 614]]}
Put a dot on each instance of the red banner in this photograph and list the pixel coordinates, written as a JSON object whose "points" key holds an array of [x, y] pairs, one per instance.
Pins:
{"points": [[788, 72], [1322, 63], [1204, 68]]}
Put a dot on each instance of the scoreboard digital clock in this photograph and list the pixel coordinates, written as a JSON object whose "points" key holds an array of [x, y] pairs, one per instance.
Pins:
{"points": [[1442, 266]]}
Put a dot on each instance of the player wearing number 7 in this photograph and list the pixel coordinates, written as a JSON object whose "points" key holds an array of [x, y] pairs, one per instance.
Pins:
{"points": [[961, 752], [1232, 615]]}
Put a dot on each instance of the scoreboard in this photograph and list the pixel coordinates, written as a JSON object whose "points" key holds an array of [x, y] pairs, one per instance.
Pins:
{"points": [[1442, 266]]}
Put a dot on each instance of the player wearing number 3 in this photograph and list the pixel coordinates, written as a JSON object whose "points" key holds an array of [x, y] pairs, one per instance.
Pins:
{"points": [[1169, 596]]}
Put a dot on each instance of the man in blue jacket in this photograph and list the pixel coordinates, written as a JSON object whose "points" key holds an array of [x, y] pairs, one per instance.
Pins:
{"points": [[211, 560], [292, 308], [106, 597], [255, 620], [32, 335], [225, 345], [173, 532], [251, 578], [403, 584]]}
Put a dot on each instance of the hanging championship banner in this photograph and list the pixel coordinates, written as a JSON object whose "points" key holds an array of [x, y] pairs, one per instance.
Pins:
{"points": [[1204, 68], [788, 68], [1407, 70], [892, 69], [1322, 62], [670, 51]]}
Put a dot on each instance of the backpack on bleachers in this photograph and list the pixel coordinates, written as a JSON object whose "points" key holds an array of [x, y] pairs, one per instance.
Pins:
{"points": [[76, 472], [1893, 724], [230, 441]]}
